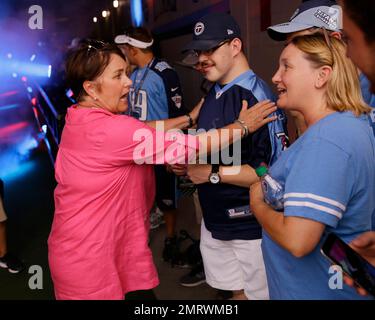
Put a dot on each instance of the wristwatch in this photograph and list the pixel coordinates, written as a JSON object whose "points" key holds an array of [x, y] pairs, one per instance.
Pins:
{"points": [[214, 176]]}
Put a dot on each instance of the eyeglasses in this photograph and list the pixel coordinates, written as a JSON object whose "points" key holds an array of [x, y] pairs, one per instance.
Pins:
{"points": [[209, 52]]}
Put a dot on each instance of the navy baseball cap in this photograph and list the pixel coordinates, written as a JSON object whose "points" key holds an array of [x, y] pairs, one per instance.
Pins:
{"points": [[312, 13], [213, 29]]}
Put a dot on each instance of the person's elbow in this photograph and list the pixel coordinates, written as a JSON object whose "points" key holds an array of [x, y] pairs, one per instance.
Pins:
{"points": [[302, 236], [300, 250]]}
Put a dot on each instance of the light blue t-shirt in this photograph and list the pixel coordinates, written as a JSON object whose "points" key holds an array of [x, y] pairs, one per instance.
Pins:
{"points": [[369, 98], [329, 177]]}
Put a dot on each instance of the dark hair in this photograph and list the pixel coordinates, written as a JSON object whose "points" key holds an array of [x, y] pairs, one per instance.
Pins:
{"points": [[362, 13], [141, 34], [87, 62]]}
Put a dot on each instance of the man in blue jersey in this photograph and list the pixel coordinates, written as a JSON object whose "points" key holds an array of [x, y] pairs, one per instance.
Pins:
{"points": [[230, 235], [156, 94], [312, 16]]}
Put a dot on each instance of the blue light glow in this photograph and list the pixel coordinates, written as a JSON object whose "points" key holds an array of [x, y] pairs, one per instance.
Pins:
{"points": [[49, 71], [9, 106], [15, 159], [136, 12], [26, 146], [17, 170], [25, 68]]}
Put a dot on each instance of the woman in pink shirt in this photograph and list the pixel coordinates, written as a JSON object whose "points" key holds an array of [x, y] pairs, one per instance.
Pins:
{"points": [[98, 246]]}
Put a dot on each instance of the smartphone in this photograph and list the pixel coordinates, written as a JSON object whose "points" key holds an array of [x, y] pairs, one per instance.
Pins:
{"points": [[354, 265]]}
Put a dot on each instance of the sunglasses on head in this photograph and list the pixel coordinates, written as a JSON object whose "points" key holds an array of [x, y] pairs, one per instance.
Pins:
{"points": [[94, 45]]}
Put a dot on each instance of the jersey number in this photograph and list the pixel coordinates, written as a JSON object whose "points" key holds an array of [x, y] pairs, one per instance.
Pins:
{"points": [[138, 109]]}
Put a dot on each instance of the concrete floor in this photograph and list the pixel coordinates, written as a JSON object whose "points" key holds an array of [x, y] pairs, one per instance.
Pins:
{"points": [[169, 288]]}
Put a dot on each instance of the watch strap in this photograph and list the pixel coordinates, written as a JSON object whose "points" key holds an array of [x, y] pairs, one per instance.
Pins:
{"points": [[215, 168]]}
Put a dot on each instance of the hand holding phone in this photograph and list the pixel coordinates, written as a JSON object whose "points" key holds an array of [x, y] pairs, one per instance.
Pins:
{"points": [[354, 265], [364, 245]]}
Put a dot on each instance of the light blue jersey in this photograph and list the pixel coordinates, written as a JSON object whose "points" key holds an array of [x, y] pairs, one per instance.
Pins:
{"points": [[369, 98], [152, 100], [329, 177], [366, 92], [156, 93]]}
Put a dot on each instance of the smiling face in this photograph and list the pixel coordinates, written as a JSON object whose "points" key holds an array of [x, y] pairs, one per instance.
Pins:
{"points": [[112, 86], [216, 65], [295, 79]]}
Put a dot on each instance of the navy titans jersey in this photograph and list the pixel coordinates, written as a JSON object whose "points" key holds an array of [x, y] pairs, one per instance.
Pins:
{"points": [[222, 106], [156, 92]]}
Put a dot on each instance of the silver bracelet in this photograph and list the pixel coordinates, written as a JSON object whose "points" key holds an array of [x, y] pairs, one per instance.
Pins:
{"points": [[244, 127]]}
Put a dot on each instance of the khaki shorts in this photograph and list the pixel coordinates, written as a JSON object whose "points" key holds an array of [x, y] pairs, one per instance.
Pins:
{"points": [[3, 216]]}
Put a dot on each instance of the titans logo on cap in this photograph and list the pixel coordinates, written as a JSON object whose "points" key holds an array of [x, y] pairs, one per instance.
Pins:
{"points": [[199, 29]]}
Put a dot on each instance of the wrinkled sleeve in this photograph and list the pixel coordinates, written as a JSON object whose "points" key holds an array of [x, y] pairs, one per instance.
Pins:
{"points": [[131, 141], [319, 183]]}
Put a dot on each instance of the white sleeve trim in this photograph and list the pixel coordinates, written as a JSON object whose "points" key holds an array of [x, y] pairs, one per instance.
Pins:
{"points": [[314, 206], [316, 197]]}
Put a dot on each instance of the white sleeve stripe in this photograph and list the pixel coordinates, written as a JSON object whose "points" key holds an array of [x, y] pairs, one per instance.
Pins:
{"points": [[314, 206], [316, 197]]}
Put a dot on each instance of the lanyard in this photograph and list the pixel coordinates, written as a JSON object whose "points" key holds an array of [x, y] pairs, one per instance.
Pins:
{"points": [[219, 91], [138, 89]]}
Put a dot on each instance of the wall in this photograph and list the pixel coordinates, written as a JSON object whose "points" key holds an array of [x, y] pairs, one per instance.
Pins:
{"points": [[263, 52], [183, 8]]}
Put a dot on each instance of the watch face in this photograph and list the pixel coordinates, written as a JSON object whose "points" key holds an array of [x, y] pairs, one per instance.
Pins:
{"points": [[214, 178]]}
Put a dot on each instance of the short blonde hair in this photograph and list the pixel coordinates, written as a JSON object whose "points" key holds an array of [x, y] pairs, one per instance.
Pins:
{"points": [[343, 89]]}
